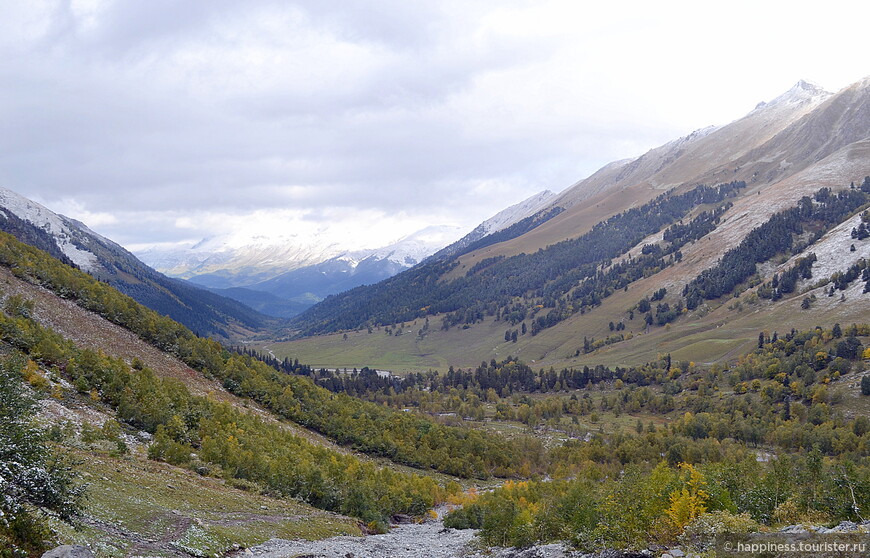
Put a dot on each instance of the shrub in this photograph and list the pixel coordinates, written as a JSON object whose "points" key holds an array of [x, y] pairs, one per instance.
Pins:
{"points": [[32, 476], [701, 532]]}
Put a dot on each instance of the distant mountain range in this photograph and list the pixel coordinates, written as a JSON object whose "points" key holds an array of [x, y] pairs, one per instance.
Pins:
{"points": [[291, 292], [74, 243], [280, 277], [226, 261]]}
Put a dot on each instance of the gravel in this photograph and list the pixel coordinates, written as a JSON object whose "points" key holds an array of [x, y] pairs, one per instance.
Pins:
{"points": [[426, 540]]}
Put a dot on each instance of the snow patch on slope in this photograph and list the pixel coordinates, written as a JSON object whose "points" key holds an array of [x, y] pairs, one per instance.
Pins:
{"points": [[50, 222], [682, 141], [516, 212], [501, 220], [833, 251]]}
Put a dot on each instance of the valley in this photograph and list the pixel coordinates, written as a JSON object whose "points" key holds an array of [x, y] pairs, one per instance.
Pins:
{"points": [[674, 347], [573, 426]]}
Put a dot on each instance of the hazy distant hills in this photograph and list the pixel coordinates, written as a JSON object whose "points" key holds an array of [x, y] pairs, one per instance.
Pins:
{"points": [[228, 261], [565, 275], [282, 276], [74, 243]]}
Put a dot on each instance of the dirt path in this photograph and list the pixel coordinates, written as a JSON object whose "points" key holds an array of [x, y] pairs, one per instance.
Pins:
{"points": [[142, 545]]}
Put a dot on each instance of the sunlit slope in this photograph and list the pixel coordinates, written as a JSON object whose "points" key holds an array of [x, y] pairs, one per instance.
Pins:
{"points": [[709, 156]]}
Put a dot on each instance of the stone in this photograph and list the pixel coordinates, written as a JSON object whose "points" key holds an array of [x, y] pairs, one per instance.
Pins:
{"points": [[845, 527], [69, 551]]}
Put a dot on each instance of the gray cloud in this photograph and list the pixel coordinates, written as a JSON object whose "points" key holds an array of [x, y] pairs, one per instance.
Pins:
{"points": [[147, 111]]}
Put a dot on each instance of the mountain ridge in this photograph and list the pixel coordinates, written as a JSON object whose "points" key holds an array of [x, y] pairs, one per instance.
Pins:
{"points": [[800, 142], [499, 222], [107, 261]]}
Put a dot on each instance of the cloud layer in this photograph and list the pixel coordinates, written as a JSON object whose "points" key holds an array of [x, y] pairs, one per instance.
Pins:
{"points": [[158, 122]]}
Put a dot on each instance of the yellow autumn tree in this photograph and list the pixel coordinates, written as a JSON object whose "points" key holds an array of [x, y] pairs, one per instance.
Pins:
{"points": [[690, 500]]}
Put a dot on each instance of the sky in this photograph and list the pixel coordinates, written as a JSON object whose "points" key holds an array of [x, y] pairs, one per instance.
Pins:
{"points": [[163, 122]]}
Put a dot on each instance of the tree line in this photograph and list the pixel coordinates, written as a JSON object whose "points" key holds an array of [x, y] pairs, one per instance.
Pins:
{"points": [[401, 437], [543, 278], [757, 444]]}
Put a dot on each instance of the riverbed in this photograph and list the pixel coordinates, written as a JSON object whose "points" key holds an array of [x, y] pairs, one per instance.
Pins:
{"points": [[424, 540]]}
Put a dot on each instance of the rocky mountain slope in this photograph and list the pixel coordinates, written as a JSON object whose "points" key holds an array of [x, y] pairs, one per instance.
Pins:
{"points": [[707, 156], [74, 243], [782, 151]]}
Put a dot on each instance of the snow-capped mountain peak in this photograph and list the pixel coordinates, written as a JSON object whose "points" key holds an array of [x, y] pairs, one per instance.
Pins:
{"points": [[407, 251], [802, 92], [223, 261], [55, 225]]}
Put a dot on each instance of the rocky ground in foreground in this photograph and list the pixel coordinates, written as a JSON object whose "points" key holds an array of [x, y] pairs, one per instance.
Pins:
{"points": [[426, 540], [433, 540]]}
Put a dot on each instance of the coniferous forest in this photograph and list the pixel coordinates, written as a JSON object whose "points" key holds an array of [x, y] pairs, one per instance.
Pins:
{"points": [[547, 278]]}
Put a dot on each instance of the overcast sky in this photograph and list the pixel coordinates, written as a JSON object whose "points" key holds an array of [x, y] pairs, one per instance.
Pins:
{"points": [[159, 122]]}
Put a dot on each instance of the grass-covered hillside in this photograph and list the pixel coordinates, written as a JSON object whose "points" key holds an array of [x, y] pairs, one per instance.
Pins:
{"points": [[120, 387], [648, 296]]}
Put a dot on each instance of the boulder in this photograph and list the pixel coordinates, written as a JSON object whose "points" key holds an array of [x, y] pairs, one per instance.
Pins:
{"points": [[69, 551]]}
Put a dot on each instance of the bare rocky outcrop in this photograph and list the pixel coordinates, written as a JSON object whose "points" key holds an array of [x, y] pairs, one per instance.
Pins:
{"points": [[69, 551]]}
